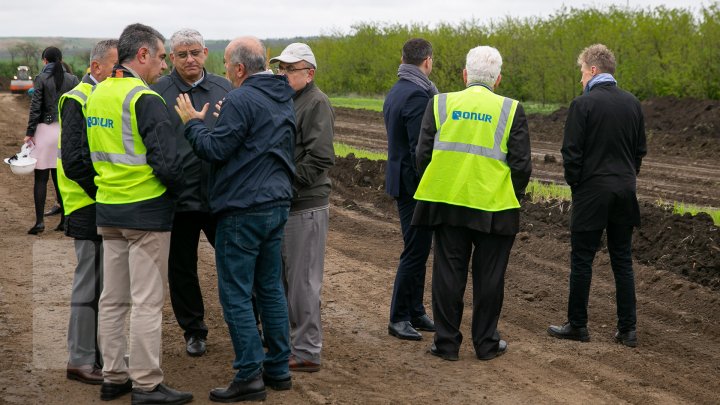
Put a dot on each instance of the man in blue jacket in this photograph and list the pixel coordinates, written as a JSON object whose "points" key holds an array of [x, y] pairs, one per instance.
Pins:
{"points": [[403, 111], [251, 152]]}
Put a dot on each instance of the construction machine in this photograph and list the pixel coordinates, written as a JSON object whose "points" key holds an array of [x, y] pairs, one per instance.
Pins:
{"points": [[22, 81]]}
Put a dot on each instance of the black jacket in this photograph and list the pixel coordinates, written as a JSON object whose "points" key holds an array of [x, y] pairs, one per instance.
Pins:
{"points": [[505, 222], [251, 147], [603, 147], [43, 106], [403, 112], [212, 88]]}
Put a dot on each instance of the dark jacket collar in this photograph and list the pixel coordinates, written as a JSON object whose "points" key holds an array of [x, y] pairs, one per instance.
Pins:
{"points": [[184, 87], [307, 87]]}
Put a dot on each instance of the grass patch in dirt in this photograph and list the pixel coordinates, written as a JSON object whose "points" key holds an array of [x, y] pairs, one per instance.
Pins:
{"points": [[682, 208], [541, 192], [343, 150], [372, 104]]}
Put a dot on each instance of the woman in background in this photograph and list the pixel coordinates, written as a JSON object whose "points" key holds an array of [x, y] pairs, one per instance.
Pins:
{"points": [[43, 129]]}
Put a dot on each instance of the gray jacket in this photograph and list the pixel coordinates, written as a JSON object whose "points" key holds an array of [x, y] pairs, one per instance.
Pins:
{"points": [[193, 197], [314, 151]]}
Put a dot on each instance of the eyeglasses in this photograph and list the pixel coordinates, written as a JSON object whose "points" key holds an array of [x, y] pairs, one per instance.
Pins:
{"points": [[184, 54], [290, 69]]}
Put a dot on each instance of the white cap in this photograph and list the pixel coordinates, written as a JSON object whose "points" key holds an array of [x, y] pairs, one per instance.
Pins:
{"points": [[296, 52]]}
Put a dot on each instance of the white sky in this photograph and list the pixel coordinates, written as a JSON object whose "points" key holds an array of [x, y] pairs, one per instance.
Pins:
{"points": [[226, 19]]}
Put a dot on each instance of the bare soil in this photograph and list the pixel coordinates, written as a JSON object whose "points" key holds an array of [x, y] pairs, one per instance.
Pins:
{"points": [[677, 275]]}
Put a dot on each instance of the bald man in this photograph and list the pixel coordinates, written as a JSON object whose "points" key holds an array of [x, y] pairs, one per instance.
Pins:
{"points": [[250, 190]]}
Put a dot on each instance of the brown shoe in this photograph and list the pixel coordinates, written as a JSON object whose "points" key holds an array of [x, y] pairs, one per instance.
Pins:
{"points": [[85, 374], [298, 364]]}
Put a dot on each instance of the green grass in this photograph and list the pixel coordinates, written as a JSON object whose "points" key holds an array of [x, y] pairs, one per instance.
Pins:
{"points": [[375, 104], [372, 104], [682, 208], [548, 191], [343, 150]]}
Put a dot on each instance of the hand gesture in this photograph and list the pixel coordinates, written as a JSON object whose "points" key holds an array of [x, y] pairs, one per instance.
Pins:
{"points": [[186, 111]]}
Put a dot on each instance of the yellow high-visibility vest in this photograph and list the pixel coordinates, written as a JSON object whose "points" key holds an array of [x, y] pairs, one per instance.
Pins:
{"points": [[73, 196], [469, 159], [116, 148]]}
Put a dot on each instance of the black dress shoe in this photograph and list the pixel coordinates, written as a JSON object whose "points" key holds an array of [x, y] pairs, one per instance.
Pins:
{"points": [[252, 390], [195, 346], [110, 391], [86, 373], [278, 384], [502, 348], [162, 394], [445, 356], [61, 226], [54, 210], [403, 330], [423, 323], [628, 338], [39, 227], [567, 331]]}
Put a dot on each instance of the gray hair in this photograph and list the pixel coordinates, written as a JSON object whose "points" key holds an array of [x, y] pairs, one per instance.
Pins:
{"points": [[102, 48], [136, 36], [598, 55], [186, 36], [251, 55], [483, 65]]}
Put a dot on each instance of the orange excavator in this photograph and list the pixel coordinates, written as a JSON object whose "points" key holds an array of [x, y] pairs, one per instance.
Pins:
{"points": [[22, 82]]}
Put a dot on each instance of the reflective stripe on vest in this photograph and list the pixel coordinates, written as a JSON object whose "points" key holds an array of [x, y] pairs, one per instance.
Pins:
{"points": [[469, 166], [129, 157], [73, 196], [116, 147], [494, 153]]}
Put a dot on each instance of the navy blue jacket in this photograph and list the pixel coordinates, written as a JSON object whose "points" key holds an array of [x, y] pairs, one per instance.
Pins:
{"points": [[403, 111], [251, 147]]}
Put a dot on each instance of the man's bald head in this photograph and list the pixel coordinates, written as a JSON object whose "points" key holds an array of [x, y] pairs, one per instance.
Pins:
{"points": [[248, 51]]}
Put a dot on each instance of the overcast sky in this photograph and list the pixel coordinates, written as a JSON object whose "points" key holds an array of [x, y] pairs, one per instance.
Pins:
{"points": [[227, 19]]}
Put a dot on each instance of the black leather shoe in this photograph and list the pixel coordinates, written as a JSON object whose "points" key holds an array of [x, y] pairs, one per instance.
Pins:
{"points": [[110, 391], [502, 348], [403, 330], [39, 227], [278, 384], [252, 390], [423, 323], [86, 373], [445, 356], [162, 394], [628, 338], [61, 226], [54, 210], [567, 331], [195, 346]]}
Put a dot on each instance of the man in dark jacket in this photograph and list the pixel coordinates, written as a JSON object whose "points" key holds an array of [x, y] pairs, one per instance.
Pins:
{"points": [[85, 362], [138, 177], [602, 151], [303, 248], [474, 160], [192, 214], [403, 110], [251, 152]]}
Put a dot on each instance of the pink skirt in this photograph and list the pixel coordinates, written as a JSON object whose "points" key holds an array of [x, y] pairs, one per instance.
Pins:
{"points": [[46, 145]]}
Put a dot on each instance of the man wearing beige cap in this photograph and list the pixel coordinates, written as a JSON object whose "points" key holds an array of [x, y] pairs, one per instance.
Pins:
{"points": [[303, 249]]}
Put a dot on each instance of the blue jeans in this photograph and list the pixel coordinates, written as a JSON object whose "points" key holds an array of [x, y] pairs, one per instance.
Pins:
{"points": [[247, 252]]}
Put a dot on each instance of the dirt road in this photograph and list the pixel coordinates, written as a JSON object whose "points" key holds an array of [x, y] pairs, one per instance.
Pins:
{"points": [[677, 361]]}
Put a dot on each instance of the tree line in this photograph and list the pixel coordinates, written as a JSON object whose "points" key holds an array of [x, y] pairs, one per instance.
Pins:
{"points": [[660, 52]]}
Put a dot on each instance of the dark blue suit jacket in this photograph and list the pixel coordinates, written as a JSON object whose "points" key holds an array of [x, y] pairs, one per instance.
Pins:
{"points": [[403, 111]]}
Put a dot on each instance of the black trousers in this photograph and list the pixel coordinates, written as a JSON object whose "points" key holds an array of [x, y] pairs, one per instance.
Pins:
{"points": [[185, 294], [409, 287], [453, 252], [584, 246]]}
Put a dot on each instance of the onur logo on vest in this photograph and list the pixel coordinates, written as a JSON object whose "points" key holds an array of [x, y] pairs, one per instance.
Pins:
{"points": [[99, 122], [466, 115]]}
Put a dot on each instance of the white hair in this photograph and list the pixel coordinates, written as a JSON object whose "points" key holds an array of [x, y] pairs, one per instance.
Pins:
{"points": [[483, 65], [186, 36]]}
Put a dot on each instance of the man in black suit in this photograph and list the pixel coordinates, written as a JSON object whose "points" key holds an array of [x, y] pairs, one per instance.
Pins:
{"points": [[403, 111], [602, 150]]}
